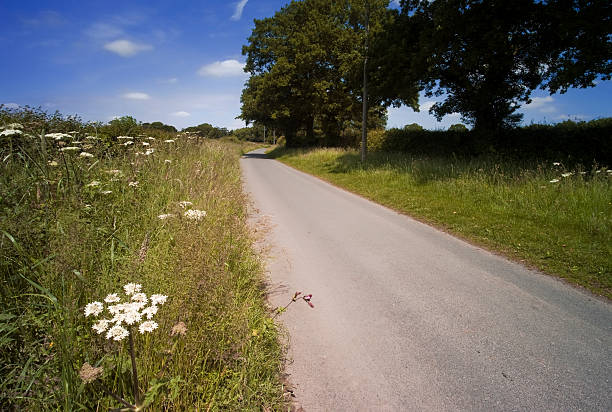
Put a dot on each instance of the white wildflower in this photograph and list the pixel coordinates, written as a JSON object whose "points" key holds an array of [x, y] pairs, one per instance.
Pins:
{"points": [[85, 154], [115, 172], [94, 308], [13, 126], [568, 174], [73, 132], [69, 148], [556, 164], [146, 144], [195, 214], [117, 333], [140, 297], [58, 136], [185, 203], [133, 184], [151, 138], [129, 142], [52, 163], [149, 152], [112, 298], [132, 316], [93, 183], [147, 326], [91, 138], [150, 311], [158, 299], [139, 153], [132, 288], [106, 192], [169, 141], [101, 325], [124, 137], [167, 161], [165, 216], [10, 132], [554, 181]]}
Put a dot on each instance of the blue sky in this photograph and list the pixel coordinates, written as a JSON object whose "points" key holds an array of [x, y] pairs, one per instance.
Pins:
{"points": [[177, 62]]}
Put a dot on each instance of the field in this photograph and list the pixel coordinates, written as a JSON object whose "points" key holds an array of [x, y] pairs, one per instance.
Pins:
{"points": [[545, 215], [84, 215]]}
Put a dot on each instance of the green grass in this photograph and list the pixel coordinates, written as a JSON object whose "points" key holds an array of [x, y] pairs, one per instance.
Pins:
{"points": [[64, 244], [562, 228]]}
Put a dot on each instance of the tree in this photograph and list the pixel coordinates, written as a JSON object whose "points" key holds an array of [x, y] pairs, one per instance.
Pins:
{"points": [[486, 57], [304, 65]]}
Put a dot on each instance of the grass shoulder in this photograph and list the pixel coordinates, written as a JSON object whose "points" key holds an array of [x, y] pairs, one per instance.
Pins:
{"points": [[556, 220]]}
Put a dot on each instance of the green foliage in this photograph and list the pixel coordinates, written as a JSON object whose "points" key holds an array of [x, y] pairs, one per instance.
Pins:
{"points": [[527, 210], [487, 57], [301, 79], [208, 131], [159, 126], [65, 242]]}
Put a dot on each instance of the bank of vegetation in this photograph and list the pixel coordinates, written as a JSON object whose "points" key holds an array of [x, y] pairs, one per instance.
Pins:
{"points": [[94, 212]]}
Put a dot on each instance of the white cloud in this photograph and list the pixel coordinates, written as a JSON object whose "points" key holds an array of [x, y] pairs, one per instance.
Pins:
{"points": [[136, 96], [126, 48], [426, 106], [11, 105], [238, 10], [542, 104], [225, 68], [181, 114]]}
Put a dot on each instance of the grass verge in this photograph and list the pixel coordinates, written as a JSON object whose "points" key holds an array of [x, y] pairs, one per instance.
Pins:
{"points": [[557, 220], [75, 228]]}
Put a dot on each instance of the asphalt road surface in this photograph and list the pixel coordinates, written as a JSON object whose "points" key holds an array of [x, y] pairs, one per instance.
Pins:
{"points": [[407, 317]]}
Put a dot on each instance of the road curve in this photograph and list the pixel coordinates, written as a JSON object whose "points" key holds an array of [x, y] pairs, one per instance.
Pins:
{"points": [[410, 318]]}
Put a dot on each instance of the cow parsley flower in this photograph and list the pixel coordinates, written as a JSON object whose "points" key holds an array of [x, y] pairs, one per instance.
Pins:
{"points": [[101, 326], [554, 181], [93, 183], [149, 312], [185, 203], [106, 192], [69, 149], [169, 141], [132, 316], [124, 137], [195, 214], [133, 184], [117, 333], [132, 288], [568, 174], [13, 126], [94, 308], [165, 216], [158, 299], [129, 142], [140, 297], [167, 161], [10, 132], [85, 154], [112, 298], [147, 326], [146, 143], [149, 152]]}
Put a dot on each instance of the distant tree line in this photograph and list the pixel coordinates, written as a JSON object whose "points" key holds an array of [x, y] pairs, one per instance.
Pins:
{"points": [[480, 58]]}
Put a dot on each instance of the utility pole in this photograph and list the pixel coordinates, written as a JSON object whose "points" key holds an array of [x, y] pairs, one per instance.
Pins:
{"points": [[264, 133], [364, 120]]}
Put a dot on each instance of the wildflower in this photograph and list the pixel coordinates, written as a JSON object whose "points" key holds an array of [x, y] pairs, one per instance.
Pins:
{"points": [[132, 316], [93, 308], [151, 138], [194, 214], [566, 174], [165, 216], [307, 300], [106, 192], [69, 148], [117, 333], [185, 203], [554, 181], [73, 132], [129, 142], [146, 144], [140, 297], [167, 161], [132, 288], [133, 184], [89, 374], [124, 137], [52, 163], [556, 164], [112, 298], [93, 183], [149, 152], [169, 141], [147, 326], [115, 172], [57, 136], [13, 126], [150, 311], [101, 326], [10, 132], [158, 299], [179, 329], [85, 154], [91, 138], [609, 171]]}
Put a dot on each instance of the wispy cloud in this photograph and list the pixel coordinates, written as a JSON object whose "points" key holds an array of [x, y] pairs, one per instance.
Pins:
{"points": [[541, 104], [238, 10], [225, 68], [136, 96], [181, 114], [126, 48]]}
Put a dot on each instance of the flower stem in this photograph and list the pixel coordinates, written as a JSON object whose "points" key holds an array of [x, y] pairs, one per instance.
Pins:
{"points": [[134, 372]]}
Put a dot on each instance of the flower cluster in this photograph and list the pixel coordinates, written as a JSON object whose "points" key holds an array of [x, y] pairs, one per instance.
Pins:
{"points": [[134, 310], [194, 214]]}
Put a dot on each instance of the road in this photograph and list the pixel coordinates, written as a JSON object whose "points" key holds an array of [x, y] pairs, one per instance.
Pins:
{"points": [[408, 317]]}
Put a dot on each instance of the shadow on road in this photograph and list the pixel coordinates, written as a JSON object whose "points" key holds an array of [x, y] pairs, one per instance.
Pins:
{"points": [[255, 156]]}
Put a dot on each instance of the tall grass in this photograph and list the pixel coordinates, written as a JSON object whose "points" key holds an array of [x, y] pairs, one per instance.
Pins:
{"points": [[563, 227], [66, 241]]}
